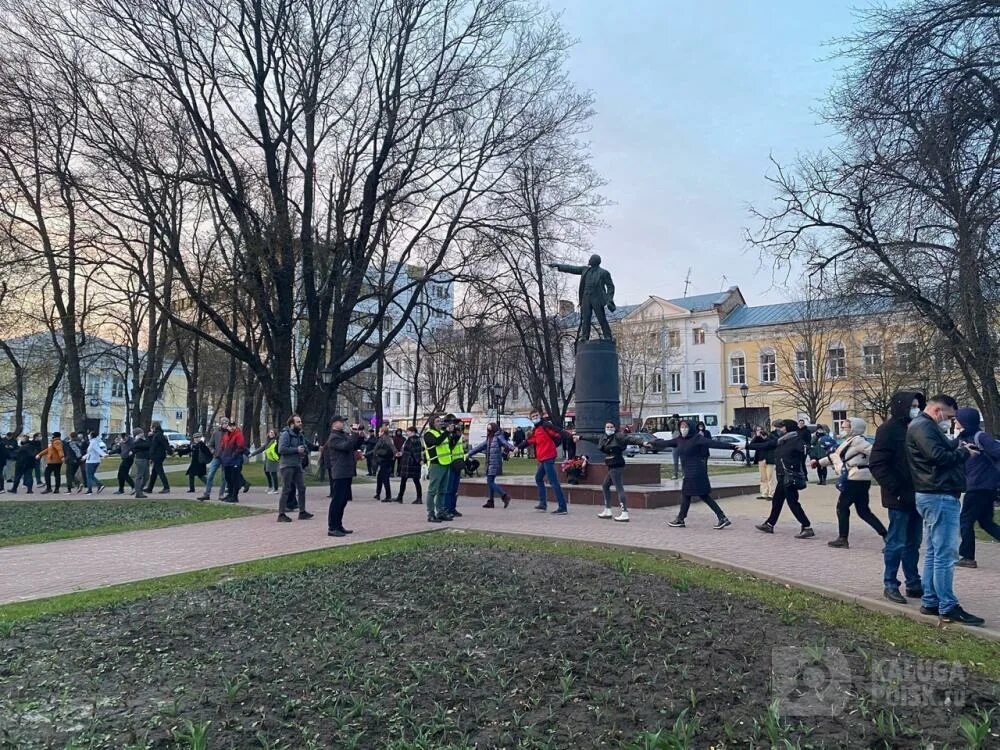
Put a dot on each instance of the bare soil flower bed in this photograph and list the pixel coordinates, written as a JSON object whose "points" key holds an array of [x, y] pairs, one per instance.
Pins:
{"points": [[456, 647], [23, 522]]}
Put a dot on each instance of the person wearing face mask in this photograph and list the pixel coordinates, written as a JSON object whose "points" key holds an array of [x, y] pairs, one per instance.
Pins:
{"points": [[613, 445], [788, 454], [937, 464], [410, 456], [890, 468], [850, 460], [982, 478], [692, 449], [494, 447], [544, 438]]}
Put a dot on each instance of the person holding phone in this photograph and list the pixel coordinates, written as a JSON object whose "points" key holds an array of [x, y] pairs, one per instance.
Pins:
{"points": [[982, 478]]}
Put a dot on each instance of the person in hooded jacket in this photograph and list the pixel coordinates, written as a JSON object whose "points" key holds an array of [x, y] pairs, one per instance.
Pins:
{"points": [[788, 455], [691, 448], [850, 460], [890, 468], [822, 446], [494, 447], [982, 478], [613, 445], [411, 456]]}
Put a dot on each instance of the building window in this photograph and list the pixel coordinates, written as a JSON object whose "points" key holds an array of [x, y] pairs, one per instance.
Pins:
{"points": [[513, 392], [768, 367], [906, 357], [640, 383], [117, 387], [699, 381], [93, 385], [737, 369], [698, 335], [674, 339], [399, 398], [657, 382], [675, 382], [839, 415], [409, 400], [803, 365], [871, 355], [836, 362]]}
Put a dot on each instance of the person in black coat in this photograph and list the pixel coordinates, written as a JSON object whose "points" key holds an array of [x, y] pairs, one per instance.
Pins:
{"points": [[691, 448], [890, 468], [805, 435], [788, 455], [410, 458], [201, 457], [159, 447], [24, 465]]}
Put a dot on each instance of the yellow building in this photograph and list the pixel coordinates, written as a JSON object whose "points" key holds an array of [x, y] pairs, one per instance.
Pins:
{"points": [[106, 376], [826, 360]]}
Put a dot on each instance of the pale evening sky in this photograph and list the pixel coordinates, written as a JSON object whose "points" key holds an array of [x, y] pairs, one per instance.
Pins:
{"points": [[691, 99]]}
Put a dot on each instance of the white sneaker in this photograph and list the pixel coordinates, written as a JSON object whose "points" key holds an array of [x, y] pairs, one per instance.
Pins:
{"points": [[623, 516], [606, 513]]}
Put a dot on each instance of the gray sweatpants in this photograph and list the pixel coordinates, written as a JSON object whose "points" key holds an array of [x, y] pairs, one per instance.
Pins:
{"points": [[141, 467]]}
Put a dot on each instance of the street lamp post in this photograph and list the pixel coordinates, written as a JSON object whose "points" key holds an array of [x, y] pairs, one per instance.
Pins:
{"points": [[744, 391]]}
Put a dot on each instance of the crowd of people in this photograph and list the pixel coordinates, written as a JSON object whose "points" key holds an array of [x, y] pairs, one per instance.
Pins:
{"points": [[924, 458]]}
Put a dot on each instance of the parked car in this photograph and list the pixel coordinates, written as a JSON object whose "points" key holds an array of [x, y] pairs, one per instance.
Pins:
{"points": [[177, 440], [736, 453], [655, 444]]}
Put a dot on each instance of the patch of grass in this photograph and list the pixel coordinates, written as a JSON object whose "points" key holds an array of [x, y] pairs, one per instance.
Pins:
{"points": [[49, 520], [900, 632]]}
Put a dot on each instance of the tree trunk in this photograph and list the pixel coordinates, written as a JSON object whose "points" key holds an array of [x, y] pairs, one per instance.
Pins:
{"points": [[50, 394]]}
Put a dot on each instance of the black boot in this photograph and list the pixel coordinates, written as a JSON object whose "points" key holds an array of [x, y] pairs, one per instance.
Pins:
{"points": [[489, 503]]}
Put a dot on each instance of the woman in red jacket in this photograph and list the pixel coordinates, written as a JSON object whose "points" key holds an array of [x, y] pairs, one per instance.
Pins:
{"points": [[231, 449], [544, 438]]}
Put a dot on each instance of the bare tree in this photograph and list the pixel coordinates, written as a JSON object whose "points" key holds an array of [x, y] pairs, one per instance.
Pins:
{"points": [[812, 365], [641, 354], [907, 207]]}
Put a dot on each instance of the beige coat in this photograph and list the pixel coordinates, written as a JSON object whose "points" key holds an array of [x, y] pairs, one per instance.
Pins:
{"points": [[855, 451]]}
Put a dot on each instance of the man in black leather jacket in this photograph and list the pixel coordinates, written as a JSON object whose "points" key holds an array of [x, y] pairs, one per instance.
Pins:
{"points": [[937, 466], [889, 466]]}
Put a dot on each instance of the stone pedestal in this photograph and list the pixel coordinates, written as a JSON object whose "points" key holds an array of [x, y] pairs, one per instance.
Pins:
{"points": [[635, 473], [596, 393]]}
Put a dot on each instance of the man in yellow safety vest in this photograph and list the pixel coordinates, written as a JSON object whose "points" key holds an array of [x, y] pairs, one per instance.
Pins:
{"points": [[437, 454], [456, 466]]}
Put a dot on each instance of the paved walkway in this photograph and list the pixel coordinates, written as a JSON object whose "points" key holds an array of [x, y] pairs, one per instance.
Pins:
{"points": [[41, 570]]}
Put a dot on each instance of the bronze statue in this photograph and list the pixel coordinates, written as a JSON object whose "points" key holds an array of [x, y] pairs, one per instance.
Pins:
{"points": [[597, 291]]}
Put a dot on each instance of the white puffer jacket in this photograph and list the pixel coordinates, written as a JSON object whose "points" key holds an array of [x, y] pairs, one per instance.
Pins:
{"points": [[855, 452]]}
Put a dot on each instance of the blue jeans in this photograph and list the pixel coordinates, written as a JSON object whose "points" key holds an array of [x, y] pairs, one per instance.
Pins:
{"points": [[902, 546], [449, 499], [495, 489], [92, 480], [547, 469], [213, 466], [940, 514]]}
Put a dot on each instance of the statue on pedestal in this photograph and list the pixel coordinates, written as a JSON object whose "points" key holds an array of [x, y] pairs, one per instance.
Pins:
{"points": [[597, 291]]}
